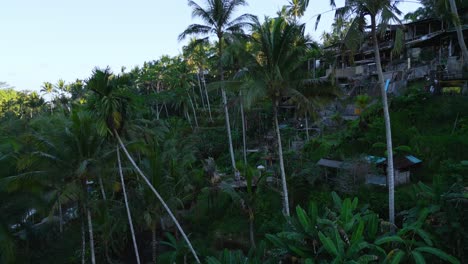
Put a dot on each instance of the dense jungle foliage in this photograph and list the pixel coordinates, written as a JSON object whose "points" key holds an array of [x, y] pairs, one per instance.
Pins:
{"points": [[202, 129]]}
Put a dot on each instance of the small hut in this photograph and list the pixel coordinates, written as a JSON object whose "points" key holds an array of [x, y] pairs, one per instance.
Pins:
{"points": [[402, 168], [345, 175]]}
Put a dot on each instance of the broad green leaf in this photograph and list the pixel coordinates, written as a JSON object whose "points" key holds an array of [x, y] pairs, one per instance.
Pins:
{"points": [[354, 204], [367, 258], [336, 200], [425, 236], [418, 257], [394, 256], [388, 239], [325, 222], [328, 244], [439, 253], [346, 210], [339, 243], [357, 235], [372, 226], [275, 241], [297, 251], [303, 218], [313, 213]]}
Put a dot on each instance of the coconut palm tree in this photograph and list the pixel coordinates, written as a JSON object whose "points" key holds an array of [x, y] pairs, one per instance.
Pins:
{"points": [[279, 53], [458, 27], [196, 54], [130, 222], [110, 105], [169, 155], [48, 89], [246, 199], [218, 18], [446, 10], [381, 12], [296, 8], [65, 154]]}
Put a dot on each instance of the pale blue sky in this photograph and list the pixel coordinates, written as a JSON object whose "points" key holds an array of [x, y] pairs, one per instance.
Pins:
{"points": [[51, 39]]}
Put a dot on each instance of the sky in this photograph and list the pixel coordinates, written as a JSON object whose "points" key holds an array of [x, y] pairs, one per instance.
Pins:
{"points": [[48, 40]]}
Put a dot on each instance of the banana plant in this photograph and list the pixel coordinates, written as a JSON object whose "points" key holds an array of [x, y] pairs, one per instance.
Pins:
{"points": [[413, 244], [342, 234]]}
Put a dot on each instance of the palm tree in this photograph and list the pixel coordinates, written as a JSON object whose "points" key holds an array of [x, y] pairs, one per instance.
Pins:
{"points": [[219, 21], [130, 222], [446, 10], [67, 153], [246, 199], [279, 52], [385, 11], [169, 155], [110, 105], [196, 54], [296, 8], [458, 28], [48, 89]]}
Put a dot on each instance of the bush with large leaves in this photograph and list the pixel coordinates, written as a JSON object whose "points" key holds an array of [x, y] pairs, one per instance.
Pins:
{"points": [[347, 233]]}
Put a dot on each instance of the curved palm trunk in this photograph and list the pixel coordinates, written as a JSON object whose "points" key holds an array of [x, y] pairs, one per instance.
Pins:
{"points": [[193, 110], [200, 89], [83, 242], [130, 222], [226, 112], [207, 97], [388, 131], [228, 128], [101, 185], [60, 214], [166, 207], [189, 120], [461, 40], [251, 228], [280, 156], [153, 243], [244, 141], [91, 237]]}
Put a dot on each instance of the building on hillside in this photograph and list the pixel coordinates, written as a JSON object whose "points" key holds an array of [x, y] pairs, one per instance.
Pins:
{"points": [[430, 51], [369, 170], [402, 166]]}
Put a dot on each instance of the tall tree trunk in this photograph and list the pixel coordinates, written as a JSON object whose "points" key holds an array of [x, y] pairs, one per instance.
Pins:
{"points": [[129, 215], [165, 109], [251, 228], [388, 131], [83, 242], [166, 207], [202, 98], [228, 128], [194, 96], [101, 185], [307, 126], [91, 237], [458, 28], [244, 141], [193, 110], [157, 111], [280, 156], [207, 97], [60, 214], [187, 115], [226, 112], [153, 243]]}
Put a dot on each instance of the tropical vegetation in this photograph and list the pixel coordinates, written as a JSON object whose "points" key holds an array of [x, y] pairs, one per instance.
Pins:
{"points": [[194, 159]]}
